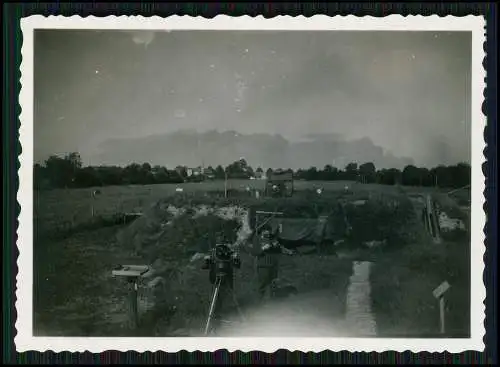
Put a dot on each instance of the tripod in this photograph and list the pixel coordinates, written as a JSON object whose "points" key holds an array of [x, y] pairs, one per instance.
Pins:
{"points": [[218, 287]]}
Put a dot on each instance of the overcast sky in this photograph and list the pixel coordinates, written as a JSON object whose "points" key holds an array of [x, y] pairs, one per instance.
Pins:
{"points": [[407, 91]]}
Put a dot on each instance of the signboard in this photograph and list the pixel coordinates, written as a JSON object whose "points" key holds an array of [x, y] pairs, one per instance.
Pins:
{"points": [[131, 271], [132, 274], [439, 291], [439, 294]]}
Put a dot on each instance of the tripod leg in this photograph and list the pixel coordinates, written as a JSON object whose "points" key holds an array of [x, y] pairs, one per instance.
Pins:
{"points": [[212, 306]]}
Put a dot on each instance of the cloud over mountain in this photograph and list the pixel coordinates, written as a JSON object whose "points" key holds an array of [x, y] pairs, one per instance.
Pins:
{"points": [[188, 147]]}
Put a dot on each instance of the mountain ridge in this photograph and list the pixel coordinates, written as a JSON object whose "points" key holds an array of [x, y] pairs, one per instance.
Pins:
{"points": [[191, 148]]}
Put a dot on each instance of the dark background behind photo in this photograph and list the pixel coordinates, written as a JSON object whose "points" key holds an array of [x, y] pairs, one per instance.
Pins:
{"points": [[12, 14]]}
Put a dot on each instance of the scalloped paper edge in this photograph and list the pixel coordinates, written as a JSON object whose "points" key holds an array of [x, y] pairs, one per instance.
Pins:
{"points": [[24, 339]]}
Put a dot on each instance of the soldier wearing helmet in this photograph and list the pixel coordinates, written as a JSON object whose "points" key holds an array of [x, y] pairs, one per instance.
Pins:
{"points": [[267, 250]]}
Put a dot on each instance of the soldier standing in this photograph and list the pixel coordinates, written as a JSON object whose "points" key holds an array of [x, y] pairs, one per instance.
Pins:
{"points": [[267, 250]]}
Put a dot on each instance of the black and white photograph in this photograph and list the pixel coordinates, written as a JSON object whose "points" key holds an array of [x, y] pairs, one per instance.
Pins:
{"points": [[251, 184]]}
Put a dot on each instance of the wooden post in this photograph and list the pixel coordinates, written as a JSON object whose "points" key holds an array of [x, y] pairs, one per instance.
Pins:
{"points": [[438, 293], [92, 204], [131, 273], [425, 219], [429, 214], [133, 313], [441, 315], [225, 184], [433, 220], [93, 195]]}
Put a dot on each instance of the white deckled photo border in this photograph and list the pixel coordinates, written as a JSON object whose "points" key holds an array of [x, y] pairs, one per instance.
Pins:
{"points": [[25, 340]]}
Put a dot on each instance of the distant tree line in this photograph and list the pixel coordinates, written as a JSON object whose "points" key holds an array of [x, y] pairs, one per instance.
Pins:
{"points": [[68, 172], [441, 176]]}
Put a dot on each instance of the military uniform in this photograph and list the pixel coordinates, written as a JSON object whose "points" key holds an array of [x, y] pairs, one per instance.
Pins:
{"points": [[267, 251]]}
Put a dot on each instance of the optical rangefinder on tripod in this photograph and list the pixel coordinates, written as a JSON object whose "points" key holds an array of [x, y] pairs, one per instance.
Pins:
{"points": [[221, 262]]}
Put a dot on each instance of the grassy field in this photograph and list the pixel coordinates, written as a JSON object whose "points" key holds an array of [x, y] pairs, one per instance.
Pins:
{"points": [[402, 286], [93, 303], [65, 208], [73, 292], [413, 272], [76, 295]]}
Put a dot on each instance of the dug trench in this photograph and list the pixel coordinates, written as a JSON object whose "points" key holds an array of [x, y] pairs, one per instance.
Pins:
{"points": [[338, 289]]}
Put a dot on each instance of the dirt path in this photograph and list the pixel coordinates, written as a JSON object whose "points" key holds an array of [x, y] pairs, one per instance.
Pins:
{"points": [[359, 316], [313, 314]]}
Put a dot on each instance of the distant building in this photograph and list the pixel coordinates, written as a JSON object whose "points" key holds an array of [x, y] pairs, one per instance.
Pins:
{"points": [[209, 173], [194, 171], [280, 182]]}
